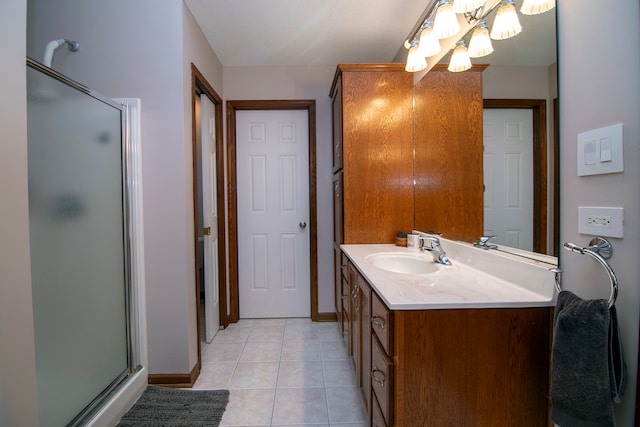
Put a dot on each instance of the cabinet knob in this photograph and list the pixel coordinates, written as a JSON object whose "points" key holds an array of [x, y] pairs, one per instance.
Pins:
{"points": [[377, 321], [378, 377]]}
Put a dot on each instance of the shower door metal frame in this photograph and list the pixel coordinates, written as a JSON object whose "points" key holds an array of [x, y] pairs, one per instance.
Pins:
{"points": [[133, 356]]}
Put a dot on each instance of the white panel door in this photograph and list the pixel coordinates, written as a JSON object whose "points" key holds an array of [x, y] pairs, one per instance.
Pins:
{"points": [[210, 219], [508, 176], [273, 211]]}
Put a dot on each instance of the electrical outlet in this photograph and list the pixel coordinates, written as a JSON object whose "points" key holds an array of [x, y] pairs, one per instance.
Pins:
{"points": [[600, 221]]}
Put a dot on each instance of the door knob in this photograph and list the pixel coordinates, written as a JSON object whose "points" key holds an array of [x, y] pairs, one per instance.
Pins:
{"points": [[302, 225]]}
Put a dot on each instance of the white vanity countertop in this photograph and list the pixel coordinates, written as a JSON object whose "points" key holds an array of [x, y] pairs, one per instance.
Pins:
{"points": [[458, 286]]}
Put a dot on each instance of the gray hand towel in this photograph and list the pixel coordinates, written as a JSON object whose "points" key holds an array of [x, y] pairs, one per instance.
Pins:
{"points": [[587, 367]]}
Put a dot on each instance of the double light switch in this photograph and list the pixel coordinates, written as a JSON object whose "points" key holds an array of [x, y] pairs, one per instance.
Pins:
{"points": [[600, 151]]}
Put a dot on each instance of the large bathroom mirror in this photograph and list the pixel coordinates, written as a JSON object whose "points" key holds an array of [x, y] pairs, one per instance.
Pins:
{"points": [[519, 126]]}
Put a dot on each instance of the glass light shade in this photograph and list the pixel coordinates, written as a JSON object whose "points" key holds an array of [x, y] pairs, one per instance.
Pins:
{"points": [[506, 23], [445, 24], [459, 59], [415, 60], [462, 6], [429, 44], [480, 43], [535, 7]]}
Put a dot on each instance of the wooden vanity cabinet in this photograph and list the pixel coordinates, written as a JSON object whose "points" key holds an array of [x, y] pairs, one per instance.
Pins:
{"points": [[453, 367]]}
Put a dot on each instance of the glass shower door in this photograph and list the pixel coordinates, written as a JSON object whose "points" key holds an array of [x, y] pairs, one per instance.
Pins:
{"points": [[78, 244]]}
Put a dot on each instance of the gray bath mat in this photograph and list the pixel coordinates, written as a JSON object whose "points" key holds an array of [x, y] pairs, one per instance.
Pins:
{"points": [[170, 407]]}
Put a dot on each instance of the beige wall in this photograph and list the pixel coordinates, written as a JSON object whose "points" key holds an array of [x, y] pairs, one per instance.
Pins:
{"points": [[599, 67], [195, 50], [144, 49], [300, 83], [18, 392]]}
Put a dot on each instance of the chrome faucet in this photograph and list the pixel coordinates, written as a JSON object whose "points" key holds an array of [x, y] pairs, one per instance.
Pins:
{"points": [[483, 243], [432, 244]]}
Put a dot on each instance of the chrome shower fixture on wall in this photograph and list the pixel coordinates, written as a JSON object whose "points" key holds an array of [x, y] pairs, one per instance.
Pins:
{"points": [[55, 44], [441, 22]]}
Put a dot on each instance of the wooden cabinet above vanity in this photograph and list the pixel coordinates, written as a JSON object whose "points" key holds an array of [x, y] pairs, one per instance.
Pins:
{"points": [[373, 147], [448, 135]]}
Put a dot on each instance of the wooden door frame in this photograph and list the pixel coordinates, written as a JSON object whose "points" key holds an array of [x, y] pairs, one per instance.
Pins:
{"points": [[540, 181], [232, 108], [200, 85]]}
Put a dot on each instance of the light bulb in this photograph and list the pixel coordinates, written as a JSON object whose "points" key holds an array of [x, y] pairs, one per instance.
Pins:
{"points": [[445, 24], [429, 44], [535, 7], [506, 23], [480, 43], [415, 61], [459, 58]]}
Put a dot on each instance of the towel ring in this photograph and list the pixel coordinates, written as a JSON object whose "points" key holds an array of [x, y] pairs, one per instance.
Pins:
{"points": [[600, 249]]}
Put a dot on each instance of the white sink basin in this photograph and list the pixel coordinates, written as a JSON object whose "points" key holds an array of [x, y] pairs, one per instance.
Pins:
{"points": [[404, 263]]}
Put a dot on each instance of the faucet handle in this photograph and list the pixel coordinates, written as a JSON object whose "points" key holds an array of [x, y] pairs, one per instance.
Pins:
{"points": [[432, 241], [483, 242]]}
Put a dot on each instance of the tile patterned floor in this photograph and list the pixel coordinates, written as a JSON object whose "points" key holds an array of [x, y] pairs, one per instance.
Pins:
{"points": [[283, 372]]}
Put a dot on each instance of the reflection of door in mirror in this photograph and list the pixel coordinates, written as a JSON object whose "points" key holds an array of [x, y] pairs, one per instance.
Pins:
{"points": [[537, 165], [508, 177]]}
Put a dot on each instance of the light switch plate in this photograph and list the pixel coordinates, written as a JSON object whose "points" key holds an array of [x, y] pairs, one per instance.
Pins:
{"points": [[600, 151], [601, 221]]}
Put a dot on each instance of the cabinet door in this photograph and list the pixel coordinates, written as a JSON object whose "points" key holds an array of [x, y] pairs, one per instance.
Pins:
{"points": [[337, 265], [338, 209], [382, 380], [354, 319], [336, 107], [365, 342]]}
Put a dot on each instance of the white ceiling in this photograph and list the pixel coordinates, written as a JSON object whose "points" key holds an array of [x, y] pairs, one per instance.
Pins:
{"points": [[305, 32], [329, 32]]}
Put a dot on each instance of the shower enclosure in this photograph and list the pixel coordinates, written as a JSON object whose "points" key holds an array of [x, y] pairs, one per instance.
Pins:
{"points": [[84, 319]]}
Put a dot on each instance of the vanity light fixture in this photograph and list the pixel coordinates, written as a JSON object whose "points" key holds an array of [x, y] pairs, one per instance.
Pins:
{"points": [[506, 23], [480, 42], [535, 7], [460, 60], [415, 60], [425, 38], [445, 23], [462, 6], [429, 44]]}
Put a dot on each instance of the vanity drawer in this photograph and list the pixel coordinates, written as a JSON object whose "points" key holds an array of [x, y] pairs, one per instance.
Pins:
{"points": [[381, 322], [382, 380]]}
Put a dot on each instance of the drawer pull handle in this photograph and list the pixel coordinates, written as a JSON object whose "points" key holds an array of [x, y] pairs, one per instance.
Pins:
{"points": [[378, 377], [377, 321]]}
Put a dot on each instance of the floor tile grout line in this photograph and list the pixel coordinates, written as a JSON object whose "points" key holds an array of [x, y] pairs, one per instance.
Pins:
{"points": [[275, 386]]}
